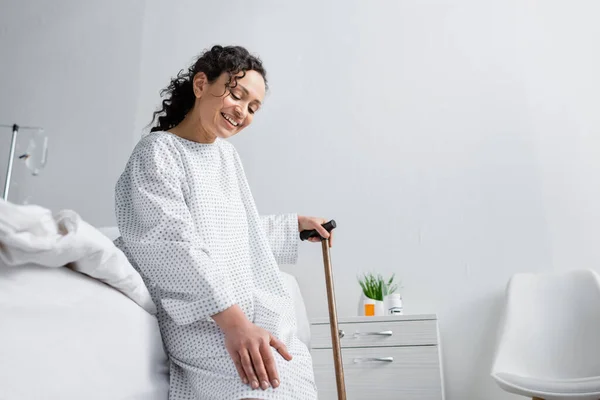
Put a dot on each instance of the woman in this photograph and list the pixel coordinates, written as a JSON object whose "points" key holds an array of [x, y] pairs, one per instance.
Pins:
{"points": [[190, 226]]}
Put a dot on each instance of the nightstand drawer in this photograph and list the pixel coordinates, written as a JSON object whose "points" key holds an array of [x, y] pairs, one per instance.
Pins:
{"points": [[407, 373], [378, 333]]}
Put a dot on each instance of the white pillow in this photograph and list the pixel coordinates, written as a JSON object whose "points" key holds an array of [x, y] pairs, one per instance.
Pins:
{"points": [[31, 234]]}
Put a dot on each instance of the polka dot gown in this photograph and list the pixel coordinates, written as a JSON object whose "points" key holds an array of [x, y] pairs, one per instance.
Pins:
{"points": [[189, 225]]}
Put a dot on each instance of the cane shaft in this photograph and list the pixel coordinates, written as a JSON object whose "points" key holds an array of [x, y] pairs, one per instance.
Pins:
{"points": [[333, 323]]}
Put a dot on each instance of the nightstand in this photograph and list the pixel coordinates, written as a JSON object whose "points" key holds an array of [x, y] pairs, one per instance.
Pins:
{"points": [[385, 358]]}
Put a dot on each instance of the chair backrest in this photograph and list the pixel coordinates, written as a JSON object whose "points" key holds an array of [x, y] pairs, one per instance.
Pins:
{"points": [[551, 325]]}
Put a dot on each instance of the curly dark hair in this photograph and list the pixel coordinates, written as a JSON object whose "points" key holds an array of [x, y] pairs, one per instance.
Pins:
{"points": [[179, 96]]}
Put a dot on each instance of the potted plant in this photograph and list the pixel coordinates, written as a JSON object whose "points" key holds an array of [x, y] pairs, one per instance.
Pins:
{"points": [[374, 290]]}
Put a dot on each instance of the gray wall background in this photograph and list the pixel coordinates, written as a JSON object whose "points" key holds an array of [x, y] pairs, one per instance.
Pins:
{"points": [[455, 142]]}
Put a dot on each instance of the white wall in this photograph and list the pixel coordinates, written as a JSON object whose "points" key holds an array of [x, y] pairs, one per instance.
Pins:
{"points": [[455, 142], [72, 68]]}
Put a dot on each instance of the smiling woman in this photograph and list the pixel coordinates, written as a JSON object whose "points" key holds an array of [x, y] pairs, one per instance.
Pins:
{"points": [[189, 225], [216, 97]]}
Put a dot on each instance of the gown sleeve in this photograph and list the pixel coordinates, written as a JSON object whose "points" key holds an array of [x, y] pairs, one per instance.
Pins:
{"points": [[283, 235], [159, 232]]}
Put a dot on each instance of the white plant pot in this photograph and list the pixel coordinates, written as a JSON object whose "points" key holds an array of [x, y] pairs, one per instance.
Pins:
{"points": [[379, 306], [361, 305]]}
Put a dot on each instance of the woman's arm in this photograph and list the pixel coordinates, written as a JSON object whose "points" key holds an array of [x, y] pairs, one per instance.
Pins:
{"points": [[282, 233], [160, 234]]}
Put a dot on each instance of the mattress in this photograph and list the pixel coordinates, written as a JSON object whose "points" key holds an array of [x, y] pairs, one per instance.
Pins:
{"points": [[64, 335]]}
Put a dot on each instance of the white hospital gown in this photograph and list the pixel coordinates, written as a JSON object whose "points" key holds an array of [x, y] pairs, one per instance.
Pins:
{"points": [[189, 225]]}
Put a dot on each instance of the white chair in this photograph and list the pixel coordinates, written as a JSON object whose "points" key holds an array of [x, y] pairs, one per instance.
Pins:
{"points": [[549, 344]]}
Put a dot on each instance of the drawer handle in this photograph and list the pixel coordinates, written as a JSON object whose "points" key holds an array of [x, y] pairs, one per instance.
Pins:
{"points": [[383, 333], [373, 359], [341, 333]]}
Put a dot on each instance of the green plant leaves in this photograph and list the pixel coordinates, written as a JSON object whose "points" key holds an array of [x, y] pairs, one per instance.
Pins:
{"points": [[375, 287]]}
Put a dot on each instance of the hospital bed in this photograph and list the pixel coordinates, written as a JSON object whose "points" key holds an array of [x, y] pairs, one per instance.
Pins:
{"points": [[64, 334]]}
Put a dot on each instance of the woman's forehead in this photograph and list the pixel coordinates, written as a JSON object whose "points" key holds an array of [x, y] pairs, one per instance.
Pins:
{"points": [[253, 83]]}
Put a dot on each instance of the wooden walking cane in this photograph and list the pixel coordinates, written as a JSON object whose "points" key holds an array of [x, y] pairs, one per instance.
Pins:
{"points": [[333, 322]]}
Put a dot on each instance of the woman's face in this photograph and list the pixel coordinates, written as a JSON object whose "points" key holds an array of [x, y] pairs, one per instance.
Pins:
{"points": [[224, 113]]}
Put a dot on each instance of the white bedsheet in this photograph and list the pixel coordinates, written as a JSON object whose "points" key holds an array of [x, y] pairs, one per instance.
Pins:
{"points": [[66, 336]]}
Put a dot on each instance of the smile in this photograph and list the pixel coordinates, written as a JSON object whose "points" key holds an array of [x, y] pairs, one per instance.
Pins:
{"points": [[230, 120]]}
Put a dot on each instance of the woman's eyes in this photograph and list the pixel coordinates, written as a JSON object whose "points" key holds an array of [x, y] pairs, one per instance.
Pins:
{"points": [[237, 96]]}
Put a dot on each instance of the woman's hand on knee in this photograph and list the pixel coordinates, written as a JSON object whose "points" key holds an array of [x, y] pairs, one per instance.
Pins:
{"points": [[250, 349]]}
